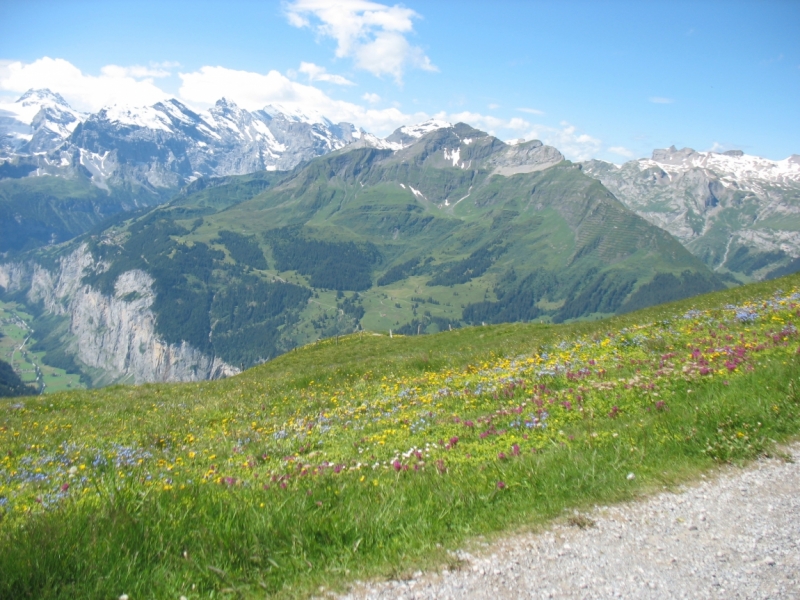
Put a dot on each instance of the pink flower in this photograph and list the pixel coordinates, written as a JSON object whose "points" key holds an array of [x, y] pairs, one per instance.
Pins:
{"points": [[515, 450], [501, 485]]}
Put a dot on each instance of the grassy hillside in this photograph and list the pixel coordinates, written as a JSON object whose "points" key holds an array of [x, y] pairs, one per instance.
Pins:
{"points": [[375, 454]]}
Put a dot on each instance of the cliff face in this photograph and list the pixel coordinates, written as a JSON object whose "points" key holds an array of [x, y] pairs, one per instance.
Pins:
{"points": [[115, 334]]}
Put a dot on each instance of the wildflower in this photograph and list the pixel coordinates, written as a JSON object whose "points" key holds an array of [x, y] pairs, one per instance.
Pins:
{"points": [[631, 477], [515, 450], [501, 485]]}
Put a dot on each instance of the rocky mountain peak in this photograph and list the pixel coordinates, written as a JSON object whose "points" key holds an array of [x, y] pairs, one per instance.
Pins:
{"points": [[672, 155], [42, 96]]}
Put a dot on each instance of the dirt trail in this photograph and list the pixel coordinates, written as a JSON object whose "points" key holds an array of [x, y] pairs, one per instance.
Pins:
{"points": [[735, 534]]}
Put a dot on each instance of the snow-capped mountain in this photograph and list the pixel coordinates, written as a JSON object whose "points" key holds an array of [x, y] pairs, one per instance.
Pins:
{"points": [[739, 213], [161, 146], [38, 121]]}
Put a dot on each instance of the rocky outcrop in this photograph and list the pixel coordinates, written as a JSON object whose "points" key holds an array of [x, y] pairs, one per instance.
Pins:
{"points": [[115, 334]]}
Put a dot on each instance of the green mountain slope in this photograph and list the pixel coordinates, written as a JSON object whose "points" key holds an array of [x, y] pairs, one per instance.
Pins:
{"points": [[455, 229]]}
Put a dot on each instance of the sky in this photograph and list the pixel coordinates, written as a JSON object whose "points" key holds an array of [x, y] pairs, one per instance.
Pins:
{"points": [[600, 79]]}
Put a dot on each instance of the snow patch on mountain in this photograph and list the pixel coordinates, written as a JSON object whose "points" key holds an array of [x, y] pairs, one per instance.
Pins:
{"points": [[732, 167]]}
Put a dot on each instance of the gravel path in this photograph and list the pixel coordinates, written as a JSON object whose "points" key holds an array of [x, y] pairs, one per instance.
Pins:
{"points": [[733, 535]]}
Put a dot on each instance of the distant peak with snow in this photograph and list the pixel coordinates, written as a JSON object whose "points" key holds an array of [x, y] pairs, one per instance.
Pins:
{"points": [[40, 97], [731, 165], [421, 129], [408, 134]]}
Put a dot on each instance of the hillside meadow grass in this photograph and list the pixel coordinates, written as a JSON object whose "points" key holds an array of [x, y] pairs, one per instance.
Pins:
{"points": [[373, 456]]}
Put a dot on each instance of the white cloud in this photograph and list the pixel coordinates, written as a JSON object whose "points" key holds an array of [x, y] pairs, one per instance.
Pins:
{"points": [[255, 90], [199, 89], [493, 106], [531, 111], [372, 34], [621, 151], [574, 145], [134, 71], [487, 123], [371, 98], [660, 100], [317, 73], [114, 85]]}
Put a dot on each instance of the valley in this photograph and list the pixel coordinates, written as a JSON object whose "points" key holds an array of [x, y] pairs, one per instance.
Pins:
{"points": [[17, 344]]}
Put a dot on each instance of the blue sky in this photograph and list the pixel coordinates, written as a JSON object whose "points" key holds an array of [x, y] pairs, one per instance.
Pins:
{"points": [[602, 79]]}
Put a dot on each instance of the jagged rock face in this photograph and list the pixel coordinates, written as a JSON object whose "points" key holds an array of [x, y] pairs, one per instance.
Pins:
{"points": [[161, 146], [115, 334], [527, 157], [720, 206]]}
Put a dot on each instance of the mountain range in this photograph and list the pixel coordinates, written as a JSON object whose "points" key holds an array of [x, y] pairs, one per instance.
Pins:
{"points": [[163, 244], [123, 158]]}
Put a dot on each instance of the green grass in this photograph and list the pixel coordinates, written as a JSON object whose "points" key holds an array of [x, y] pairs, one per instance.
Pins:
{"points": [[340, 460]]}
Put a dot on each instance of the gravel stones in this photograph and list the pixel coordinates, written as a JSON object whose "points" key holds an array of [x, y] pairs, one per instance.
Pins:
{"points": [[734, 536]]}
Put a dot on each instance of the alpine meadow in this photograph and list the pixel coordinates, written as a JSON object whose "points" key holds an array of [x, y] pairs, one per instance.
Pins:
{"points": [[352, 299]]}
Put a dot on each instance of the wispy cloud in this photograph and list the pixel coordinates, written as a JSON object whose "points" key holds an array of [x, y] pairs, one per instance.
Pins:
{"points": [[660, 100], [372, 34], [774, 59], [317, 73], [531, 111], [621, 151], [493, 106]]}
